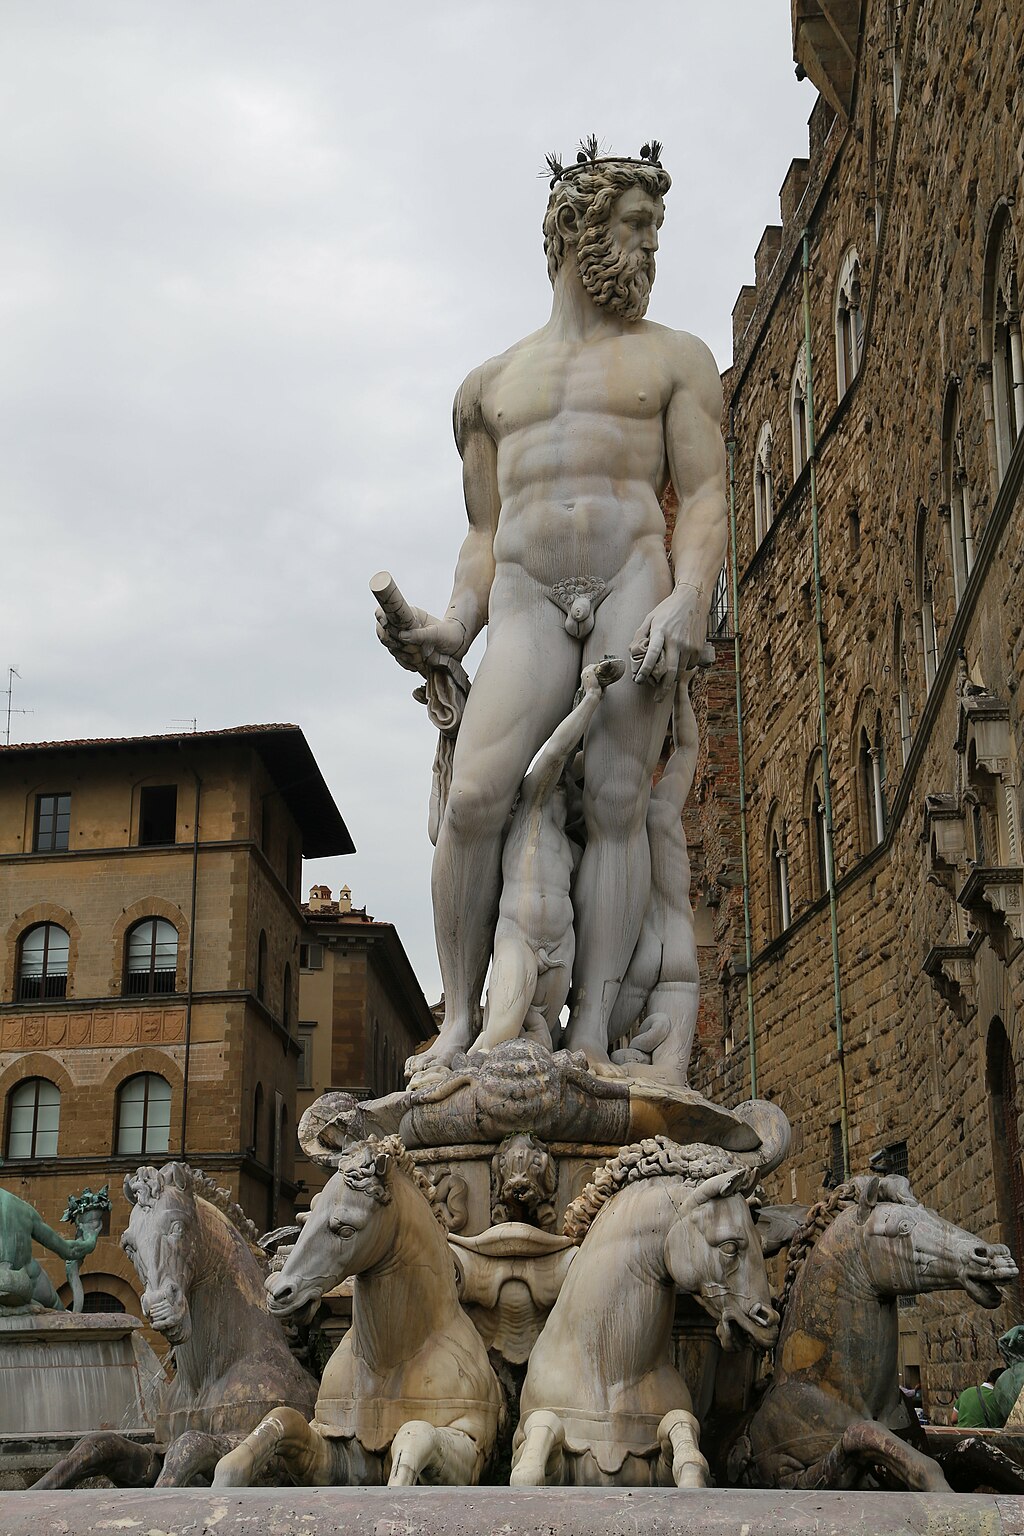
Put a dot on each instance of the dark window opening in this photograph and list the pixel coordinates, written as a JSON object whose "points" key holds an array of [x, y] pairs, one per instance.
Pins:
{"points": [[158, 814], [305, 1064], [311, 957], [53, 823], [835, 1173], [102, 1301]]}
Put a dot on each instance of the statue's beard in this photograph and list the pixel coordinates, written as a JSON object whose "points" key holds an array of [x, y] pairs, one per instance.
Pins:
{"points": [[614, 280]]}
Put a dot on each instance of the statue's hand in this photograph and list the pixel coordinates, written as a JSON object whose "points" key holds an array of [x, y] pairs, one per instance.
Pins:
{"points": [[671, 637], [429, 637], [81, 1247]]}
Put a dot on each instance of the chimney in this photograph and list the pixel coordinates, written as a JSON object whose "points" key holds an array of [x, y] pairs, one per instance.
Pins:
{"points": [[319, 897], [345, 899]]}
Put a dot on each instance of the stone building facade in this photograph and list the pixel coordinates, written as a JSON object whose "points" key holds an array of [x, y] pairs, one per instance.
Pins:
{"points": [[873, 413], [362, 1012], [150, 930]]}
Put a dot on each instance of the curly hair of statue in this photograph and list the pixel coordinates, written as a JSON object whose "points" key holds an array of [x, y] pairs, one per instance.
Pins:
{"points": [[656, 1157], [589, 190]]}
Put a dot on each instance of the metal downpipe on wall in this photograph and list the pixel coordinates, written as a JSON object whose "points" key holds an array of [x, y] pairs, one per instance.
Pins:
{"points": [[826, 771], [748, 947]]}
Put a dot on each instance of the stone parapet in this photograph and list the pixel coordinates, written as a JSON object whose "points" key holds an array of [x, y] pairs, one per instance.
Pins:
{"points": [[516, 1512]]}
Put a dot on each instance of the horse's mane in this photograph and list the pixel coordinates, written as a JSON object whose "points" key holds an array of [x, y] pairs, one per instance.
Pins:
{"points": [[145, 1185], [821, 1216], [357, 1166], [656, 1157]]}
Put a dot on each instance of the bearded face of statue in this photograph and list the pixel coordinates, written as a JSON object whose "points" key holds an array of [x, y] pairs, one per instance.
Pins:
{"points": [[616, 257]]}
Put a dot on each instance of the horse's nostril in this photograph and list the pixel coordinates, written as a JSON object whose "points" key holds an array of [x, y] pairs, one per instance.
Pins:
{"points": [[980, 1253]]}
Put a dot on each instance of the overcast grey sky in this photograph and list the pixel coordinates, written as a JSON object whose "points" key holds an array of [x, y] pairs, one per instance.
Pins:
{"points": [[248, 252]]}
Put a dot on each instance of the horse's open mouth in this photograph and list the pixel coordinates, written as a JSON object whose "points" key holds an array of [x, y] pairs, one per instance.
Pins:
{"points": [[985, 1292], [734, 1329], [302, 1315]]}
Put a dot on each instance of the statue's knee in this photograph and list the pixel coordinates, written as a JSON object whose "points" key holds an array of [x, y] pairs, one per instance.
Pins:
{"points": [[617, 806], [474, 810]]}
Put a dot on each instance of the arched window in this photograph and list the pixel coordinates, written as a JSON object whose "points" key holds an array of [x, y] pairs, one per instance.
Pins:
{"points": [[144, 1114], [798, 415], [261, 967], [954, 492], [817, 826], [33, 1118], [871, 784], [151, 963], [1003, 337], [849, 323], [899, 651], [778, 875], [43, 963], [286, 998], [894, 19], [764, 508], [923, 581], [101, 1301]]}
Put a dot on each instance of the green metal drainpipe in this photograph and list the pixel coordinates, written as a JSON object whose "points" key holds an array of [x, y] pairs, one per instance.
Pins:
{"points": [[748, 947], [826, 772]]}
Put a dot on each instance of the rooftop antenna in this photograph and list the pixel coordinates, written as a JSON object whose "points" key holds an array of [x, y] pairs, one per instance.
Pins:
{"points": [[191, 721], [12, 673]]}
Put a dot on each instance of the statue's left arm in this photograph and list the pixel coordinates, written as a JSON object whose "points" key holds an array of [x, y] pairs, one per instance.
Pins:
{"points": [[672, 636], [63, 1247]]}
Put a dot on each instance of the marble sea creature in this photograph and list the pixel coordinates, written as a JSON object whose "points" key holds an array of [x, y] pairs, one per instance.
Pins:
{"points": [[602, 1403], [833, 1405], [203, 1274], [409, 1394]]}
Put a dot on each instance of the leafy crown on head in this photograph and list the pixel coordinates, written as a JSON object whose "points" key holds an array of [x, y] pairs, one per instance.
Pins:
{"points": [[589, 155]]}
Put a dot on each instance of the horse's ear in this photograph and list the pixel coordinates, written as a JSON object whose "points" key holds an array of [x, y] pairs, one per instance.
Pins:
{"points": [[380, 1164], [721, 1185], [868, 1198], [130, 1191]]}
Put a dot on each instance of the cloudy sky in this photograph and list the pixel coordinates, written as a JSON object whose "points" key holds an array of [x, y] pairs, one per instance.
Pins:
{"points": [[249, 249]]}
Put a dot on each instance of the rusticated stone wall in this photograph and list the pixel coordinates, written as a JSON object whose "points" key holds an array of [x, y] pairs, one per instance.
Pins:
{"points": [[920, 193]]}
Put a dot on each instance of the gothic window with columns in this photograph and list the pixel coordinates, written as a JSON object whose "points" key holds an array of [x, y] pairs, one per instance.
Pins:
{"points": [[817, 826], [778, 875], [764, 491], [928, 635], [871, 783], [849, 323], [902, 675], [955, 495], [1003, 345], [798, 416]]}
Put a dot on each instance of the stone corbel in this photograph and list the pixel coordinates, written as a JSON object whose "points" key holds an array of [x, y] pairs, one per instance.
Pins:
{"points": [[994, 896], [945, 835], [950, 967], [984, 719]]}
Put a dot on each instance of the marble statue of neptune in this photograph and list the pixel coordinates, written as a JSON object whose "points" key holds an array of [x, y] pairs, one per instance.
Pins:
{"points": [[568, 440]]}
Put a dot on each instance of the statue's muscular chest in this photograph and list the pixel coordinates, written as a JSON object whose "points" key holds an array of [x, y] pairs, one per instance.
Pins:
{"points": [[547, 381]]}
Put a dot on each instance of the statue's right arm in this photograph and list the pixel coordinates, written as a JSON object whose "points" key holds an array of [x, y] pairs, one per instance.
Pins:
{"points": [[474, 572], [63, 1247]]}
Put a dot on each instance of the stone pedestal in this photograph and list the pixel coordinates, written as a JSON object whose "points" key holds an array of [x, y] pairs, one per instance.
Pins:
{"points": [[63, 1374]]}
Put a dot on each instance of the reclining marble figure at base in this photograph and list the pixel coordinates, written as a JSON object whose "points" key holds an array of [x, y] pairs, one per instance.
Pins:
{"points": [[409, 1394], [568, 441], [24, 1284], [533, 941], [602, 1403]]}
